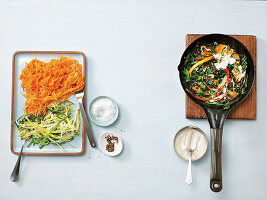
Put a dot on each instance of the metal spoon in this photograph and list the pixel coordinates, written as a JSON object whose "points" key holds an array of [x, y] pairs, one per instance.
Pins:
{"points": [[15, 173], [188, 179], [191, 146]]}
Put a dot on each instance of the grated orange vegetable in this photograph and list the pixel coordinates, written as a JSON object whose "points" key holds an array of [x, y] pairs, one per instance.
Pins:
{"points": [[47, 82]]}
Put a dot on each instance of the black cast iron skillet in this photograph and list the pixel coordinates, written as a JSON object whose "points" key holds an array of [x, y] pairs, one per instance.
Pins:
{"points": [[216, 114]]}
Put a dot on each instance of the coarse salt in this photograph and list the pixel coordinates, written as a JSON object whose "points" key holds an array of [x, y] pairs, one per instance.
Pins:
{"points": [[104, 110]]}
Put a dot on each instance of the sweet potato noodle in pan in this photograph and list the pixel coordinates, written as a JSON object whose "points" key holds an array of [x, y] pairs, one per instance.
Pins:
{"points": [[47, 82]]}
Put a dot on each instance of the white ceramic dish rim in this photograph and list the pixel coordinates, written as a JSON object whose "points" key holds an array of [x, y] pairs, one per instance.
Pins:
{"points": [[18, 63]]}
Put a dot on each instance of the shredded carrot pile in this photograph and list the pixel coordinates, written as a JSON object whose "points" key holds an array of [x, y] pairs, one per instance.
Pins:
{"points": [[47, 82]]}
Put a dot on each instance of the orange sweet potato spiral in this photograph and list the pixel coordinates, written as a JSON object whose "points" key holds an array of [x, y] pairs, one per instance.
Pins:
{"points": [[47, 82]]}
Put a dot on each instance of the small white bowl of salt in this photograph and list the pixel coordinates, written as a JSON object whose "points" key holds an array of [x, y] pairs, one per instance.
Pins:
{"points": [[103, 111]]}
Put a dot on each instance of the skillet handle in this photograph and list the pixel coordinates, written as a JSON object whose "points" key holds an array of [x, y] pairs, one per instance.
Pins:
{"points": [[216, 164]]}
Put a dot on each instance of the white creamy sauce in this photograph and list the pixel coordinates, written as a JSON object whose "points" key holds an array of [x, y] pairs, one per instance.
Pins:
{"points": [[187, 137], [224, 90], [240, 74], [223, 61], [217, 56], [211, 75]]}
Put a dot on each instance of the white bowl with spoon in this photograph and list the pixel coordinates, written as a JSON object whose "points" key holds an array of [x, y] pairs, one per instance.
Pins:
{"points": [[190, 143]]}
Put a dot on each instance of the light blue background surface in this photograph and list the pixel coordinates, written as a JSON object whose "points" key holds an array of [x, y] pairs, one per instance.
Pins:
{"points": [[133, 48]]}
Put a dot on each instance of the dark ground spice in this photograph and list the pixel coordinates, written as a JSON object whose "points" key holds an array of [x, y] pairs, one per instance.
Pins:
{"points": [[110, 147]]}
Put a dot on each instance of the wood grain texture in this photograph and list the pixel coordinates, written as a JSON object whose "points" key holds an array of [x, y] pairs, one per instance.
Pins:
{"points": [[247, 108]]}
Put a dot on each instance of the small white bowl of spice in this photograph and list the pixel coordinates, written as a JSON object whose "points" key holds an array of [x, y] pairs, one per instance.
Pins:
{"points": [[110, 143], [103, 111]]}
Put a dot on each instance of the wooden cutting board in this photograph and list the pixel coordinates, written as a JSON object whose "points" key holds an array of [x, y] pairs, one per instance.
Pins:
{"points": [[247, 108]]}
